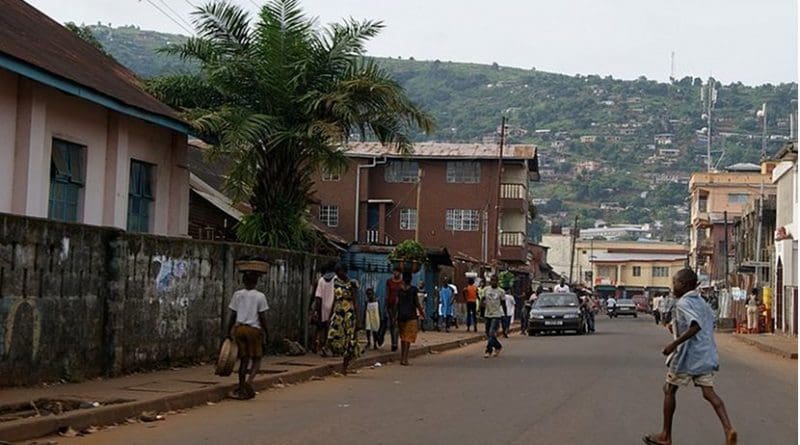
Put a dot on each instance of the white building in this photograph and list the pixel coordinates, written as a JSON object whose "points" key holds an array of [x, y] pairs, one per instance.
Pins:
{"points": [[785, 279]]}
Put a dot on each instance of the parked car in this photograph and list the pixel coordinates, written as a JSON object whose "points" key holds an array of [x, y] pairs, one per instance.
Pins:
{"points": [[553, 312], [626, 307]]}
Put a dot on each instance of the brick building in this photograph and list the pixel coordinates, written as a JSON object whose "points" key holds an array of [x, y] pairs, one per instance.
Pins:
{"points": [[712, 195], [443, 194]]}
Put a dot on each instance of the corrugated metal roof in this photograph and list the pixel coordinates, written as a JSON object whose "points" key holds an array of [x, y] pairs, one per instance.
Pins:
{"points": [[602, 257], [33, 38], [443, 150]]}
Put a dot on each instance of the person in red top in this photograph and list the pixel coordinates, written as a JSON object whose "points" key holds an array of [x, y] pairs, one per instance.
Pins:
{"points": [[393, 287], [471, 297]]}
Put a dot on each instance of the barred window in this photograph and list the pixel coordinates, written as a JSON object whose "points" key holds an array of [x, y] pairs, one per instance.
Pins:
{"points": [[660, 271], [329, 215], [637, 271], [738, 198], [401, 171], [67, 176], [408, 219], [463, 172], [331, 176], [462, 220]]}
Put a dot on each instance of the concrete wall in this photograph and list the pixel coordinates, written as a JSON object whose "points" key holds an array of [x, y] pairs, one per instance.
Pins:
{"points": [[78, 301], [32, 114]]}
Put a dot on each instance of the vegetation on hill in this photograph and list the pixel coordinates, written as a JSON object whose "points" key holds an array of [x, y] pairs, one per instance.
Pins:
{"points": [[619, 120]]}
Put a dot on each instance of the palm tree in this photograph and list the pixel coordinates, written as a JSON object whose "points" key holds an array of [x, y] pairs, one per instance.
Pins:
{"points": [[279, 97]]}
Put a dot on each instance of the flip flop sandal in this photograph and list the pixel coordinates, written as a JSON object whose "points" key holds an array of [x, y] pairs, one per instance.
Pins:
{"points": [[650, 441]]}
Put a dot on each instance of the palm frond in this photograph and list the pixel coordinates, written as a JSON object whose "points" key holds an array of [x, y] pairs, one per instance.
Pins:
{"points": [[223, 23]]}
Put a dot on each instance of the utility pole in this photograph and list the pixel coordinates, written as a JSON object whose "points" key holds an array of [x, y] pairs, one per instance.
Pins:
{"points": [[419, 191], [499, 189], [727, 260], [708, 95], [572, 250], [762, 113]]}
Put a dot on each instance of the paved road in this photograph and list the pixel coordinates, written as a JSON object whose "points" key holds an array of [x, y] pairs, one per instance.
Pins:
{"points": [[601, 389]]}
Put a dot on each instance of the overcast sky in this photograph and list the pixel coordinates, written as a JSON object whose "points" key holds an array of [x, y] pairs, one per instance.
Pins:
{"points": [[752, 41]]}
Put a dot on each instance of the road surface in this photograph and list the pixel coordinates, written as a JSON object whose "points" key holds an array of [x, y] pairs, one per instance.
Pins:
{"points": [[599, 389]]}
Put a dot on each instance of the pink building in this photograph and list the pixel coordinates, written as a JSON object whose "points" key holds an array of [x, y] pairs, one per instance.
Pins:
{"points": [[80, 140]]}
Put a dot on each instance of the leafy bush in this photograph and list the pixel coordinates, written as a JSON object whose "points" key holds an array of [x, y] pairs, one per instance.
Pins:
{"points": [[409, 250]]}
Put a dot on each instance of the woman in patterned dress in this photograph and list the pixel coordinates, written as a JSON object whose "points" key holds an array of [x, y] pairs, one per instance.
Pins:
{"points": [[342, 338]]}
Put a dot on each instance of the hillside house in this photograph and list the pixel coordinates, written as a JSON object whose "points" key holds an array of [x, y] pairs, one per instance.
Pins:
{"points": [[663, 139], [589, 139], [80, 139]]}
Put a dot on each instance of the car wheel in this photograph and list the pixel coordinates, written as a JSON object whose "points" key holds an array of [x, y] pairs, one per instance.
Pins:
{"points": [[635, 315]]}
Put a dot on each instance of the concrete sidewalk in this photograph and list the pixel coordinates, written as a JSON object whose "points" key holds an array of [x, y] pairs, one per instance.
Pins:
{"points": [[782, 345], [110, 401]]}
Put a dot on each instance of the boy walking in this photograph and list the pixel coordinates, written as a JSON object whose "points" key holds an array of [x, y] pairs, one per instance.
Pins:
{"points": [[247, 325], [493, 312], [691, 356]]}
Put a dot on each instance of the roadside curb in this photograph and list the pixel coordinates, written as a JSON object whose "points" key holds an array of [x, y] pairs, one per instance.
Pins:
{"points": [[766, 348], [33, 428]]}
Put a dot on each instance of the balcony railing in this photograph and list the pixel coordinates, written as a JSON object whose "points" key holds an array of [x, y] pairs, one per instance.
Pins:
{"points": [[512, 239], [373, 237], [512, 191]]}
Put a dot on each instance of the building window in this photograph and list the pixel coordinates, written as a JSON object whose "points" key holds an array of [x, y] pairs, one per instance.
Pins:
{"points": [[462, 220], [637, 271], [738, 198], [331, 176], [408, 219], [702, 204], [660, 271], [67, 177], [463, 172], [329, 215], [141, 195], [401, 171]]}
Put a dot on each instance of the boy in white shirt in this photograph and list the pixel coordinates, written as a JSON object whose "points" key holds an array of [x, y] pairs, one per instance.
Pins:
{"points": [[247, 324]]}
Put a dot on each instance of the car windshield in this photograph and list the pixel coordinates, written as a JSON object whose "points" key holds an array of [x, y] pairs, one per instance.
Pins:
{"points": [[556, 300], [625, 302]]}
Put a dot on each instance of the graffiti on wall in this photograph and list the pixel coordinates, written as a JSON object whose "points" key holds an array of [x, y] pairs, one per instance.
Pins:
{"points": [[169, 271]]}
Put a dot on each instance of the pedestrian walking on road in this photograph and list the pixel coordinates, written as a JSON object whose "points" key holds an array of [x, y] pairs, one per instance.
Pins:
{"points": [[446, 304], [321, 308], [752, 312], [509, 307], [393, 286], [408, 310], [493, 312], [422, 296], [655, 308], [247, 325], [562, 287], [372, 320], [471, 297], [691, 356], [342, 338]]}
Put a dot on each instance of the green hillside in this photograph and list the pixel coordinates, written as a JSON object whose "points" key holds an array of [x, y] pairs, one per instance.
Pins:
{"points": [[617, 118]]}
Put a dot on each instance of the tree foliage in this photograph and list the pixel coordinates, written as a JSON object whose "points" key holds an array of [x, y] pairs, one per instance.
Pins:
{"points": [[279, 97]]}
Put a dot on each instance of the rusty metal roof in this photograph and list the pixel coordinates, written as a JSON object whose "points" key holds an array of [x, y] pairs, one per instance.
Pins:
{"points": [[34, 39], [443, 150]]}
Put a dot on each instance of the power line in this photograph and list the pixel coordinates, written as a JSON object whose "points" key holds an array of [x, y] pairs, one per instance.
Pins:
{"points": [[179, 16], [170, 17]]}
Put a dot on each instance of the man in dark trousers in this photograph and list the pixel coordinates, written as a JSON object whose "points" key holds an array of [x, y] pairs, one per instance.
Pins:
{"points": [[393, 287]]}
